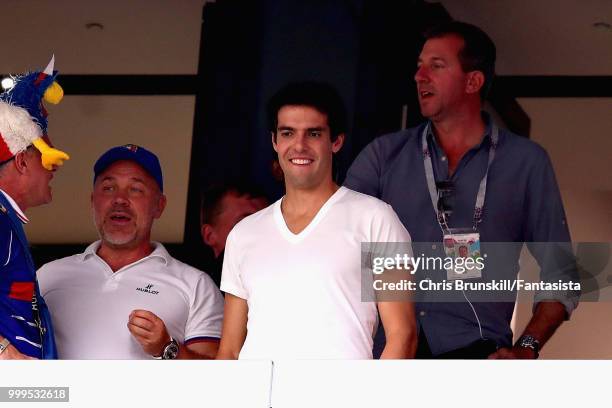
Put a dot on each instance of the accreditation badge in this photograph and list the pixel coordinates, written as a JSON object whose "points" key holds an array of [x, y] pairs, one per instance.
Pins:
{"points": [[462, 249]]}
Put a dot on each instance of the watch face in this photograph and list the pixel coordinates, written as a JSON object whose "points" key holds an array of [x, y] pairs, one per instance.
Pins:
{"points": [[529, 341], [171, 351]]}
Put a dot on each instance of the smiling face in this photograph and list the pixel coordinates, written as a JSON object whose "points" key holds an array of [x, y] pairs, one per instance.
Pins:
{"points": [[442, 84], [126, 200], [304, 147]]}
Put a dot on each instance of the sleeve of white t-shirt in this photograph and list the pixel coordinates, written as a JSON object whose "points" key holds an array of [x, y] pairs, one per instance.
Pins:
{"points": [[231, 281], [41, 278], [387, 227], [205, 312], [388, 236]]}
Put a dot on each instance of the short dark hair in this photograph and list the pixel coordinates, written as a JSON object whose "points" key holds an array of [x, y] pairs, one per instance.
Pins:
{"points": [[478, 52], [212, 196], [318, 95]]}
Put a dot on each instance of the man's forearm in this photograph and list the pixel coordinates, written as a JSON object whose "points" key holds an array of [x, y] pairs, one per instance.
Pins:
{"points": [[11, 353], [225, 354], [400, 346], [202, 350], [547, 317]]}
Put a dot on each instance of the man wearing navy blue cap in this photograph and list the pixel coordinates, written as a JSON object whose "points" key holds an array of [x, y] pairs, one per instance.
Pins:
{"points": [[125, 297]]}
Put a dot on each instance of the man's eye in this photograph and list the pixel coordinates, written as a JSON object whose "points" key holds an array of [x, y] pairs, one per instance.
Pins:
{"points": [[107, 188], [285, 133], [136, 190], [315, 134]]}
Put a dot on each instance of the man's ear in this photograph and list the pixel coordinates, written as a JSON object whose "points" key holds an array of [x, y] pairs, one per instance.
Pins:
{"points": [[475, 82], [273, 135], [208, 234], [338, 143], [161, 205], [21, 162]]}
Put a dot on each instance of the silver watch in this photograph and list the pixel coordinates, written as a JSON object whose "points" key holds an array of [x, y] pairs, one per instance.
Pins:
{"points": [[530, 342], [4, 344], [170, 350]]}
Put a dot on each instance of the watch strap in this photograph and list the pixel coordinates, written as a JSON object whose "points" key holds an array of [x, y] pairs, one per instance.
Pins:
{"points": [[161, 355], [165, 350], [4, 344], [170, 350]]}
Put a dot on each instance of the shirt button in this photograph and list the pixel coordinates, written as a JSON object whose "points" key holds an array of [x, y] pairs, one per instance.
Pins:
{"points": [[443, 158], [422, 313], [433, 246]]}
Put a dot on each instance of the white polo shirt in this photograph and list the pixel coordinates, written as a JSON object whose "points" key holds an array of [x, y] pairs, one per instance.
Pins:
{"points": [[304, 290], [90, 305]]}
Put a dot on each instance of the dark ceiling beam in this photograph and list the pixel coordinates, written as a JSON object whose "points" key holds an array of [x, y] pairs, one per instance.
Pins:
{"points": [[514, 116], [518, 86], [507, 88], [553, 86], [128, 84]]}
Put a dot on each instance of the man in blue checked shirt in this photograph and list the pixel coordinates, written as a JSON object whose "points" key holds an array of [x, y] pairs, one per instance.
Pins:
{"points": [[458, 178]]}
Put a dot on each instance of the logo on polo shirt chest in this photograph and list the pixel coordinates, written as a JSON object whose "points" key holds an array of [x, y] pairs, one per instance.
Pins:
{"points": [[148, 289]]}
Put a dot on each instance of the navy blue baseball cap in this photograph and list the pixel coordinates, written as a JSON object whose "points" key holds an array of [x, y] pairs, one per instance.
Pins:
{"points": [[138, 154]]}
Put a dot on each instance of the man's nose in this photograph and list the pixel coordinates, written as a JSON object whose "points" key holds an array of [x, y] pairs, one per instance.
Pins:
{"points": [[300, 141], [120, 197], [421, 74]]}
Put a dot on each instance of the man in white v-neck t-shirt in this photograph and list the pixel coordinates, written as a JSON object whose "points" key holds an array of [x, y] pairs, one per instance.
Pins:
{"points": [[292, 272]]}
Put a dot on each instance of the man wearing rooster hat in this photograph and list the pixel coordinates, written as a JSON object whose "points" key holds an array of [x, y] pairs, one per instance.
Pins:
{"points": [[27, 165]]}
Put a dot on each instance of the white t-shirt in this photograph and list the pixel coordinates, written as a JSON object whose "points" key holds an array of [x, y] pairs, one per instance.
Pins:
{"points": [[304, 290], [90, 305]]}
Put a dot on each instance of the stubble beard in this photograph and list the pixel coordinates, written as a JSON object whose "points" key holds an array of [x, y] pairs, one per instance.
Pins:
{"points": [[114, 238]]}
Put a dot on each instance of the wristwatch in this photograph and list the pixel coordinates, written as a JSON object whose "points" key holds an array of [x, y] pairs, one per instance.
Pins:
{"points": [[170, 350], [4, 344], [530, 342]]}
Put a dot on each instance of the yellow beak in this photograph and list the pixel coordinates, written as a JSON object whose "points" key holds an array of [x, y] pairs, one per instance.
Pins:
{"points": [[54, 93]]}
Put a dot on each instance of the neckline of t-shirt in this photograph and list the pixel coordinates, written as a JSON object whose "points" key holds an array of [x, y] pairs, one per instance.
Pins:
{"points": [[295, 238]]}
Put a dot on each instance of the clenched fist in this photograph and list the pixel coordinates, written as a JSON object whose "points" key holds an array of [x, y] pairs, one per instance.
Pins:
{"points": [[149, 331]]}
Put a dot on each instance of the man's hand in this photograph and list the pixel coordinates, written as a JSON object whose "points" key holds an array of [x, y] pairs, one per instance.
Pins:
{"points": [[11, 353], [547, 317], [148, 330], [508, 353]]}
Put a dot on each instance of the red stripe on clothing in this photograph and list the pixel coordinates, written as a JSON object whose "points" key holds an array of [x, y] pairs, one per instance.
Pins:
{"points": [[5, 152], [22, 291], [21, 217], [41, 76], [202, 340]]}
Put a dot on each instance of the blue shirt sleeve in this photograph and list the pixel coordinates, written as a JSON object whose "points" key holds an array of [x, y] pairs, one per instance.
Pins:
{"points": [[364, 174], [547, 234]]}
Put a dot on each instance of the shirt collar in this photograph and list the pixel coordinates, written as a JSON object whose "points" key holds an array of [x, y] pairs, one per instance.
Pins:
{"points": [[159, 251], [13, 204], [487, 135]]}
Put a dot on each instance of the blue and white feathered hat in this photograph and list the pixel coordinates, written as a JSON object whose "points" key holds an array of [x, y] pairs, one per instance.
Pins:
{"points": [[23, 117]]}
